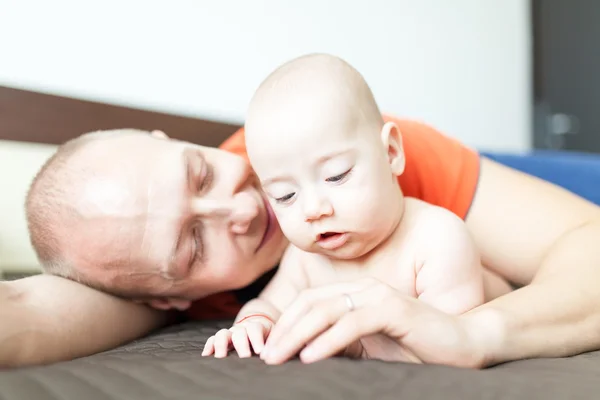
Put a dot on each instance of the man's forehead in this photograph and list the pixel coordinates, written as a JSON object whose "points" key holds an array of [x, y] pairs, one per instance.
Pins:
{"points": [[106, 197], [134, 218], [131, 285], [127, 261]]}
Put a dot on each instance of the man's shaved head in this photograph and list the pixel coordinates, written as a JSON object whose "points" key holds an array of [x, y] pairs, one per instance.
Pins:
{"points": [[140, 215], [56, 199]]}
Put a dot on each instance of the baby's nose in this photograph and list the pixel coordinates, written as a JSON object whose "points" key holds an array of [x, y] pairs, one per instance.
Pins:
{"points": [[316, 207]]}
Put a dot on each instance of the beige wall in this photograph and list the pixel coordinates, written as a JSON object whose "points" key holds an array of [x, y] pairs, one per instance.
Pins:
{"points": [[18, 164]]}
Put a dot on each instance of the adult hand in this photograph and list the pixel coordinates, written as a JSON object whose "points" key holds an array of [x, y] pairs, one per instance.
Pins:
{"points": [[370, 319]]}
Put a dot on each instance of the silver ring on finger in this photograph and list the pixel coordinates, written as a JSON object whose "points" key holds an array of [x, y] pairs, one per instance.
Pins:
{"points": [[349, 302]]}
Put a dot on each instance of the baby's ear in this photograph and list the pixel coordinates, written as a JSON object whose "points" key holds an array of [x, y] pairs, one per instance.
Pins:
{"points": [[392, 141]]}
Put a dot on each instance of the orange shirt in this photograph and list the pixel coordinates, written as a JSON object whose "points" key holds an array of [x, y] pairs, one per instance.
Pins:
{"points": [[439, 170]]}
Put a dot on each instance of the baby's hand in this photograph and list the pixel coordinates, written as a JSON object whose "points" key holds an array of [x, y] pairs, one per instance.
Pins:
{"points": [[252, 330]]}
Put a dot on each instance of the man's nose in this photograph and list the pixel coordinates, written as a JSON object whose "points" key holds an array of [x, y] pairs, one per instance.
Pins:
{"points": [[244, 208], [238, 211], [316, 207]]}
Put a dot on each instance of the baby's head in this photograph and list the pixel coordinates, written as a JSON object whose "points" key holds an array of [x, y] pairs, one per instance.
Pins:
{"points": [[326, 159]]}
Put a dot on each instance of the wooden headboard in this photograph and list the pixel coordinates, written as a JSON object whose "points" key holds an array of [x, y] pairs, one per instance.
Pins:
{"points": [[42, 118]]}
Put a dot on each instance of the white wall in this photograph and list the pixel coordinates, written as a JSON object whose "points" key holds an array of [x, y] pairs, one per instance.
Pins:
{"points": [[462, 65]]}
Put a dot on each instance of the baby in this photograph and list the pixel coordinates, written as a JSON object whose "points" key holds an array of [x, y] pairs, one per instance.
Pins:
{"points": [[329, 166]]}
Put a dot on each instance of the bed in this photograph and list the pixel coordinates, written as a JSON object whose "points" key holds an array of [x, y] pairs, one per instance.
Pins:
{"points": [[167, 364]]}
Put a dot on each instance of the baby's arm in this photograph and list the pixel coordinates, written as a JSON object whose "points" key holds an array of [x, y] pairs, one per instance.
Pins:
{"points": [[289, 280], [449, 273], [256, 318]]}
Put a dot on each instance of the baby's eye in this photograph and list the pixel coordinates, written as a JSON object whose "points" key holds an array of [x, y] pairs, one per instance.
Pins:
{"points": [[285, 198], [339, 177]]}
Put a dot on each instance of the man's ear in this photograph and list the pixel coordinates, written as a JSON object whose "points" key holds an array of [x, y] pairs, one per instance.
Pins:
{"points": [[392, 141], [169, 304], [159, 134], [180, 304]]}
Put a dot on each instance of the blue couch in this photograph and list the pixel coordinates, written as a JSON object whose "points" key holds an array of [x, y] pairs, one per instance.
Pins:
{"points": [[577, 172]]}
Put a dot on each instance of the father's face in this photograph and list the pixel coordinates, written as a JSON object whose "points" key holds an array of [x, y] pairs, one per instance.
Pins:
{"points": [[168, 222]]}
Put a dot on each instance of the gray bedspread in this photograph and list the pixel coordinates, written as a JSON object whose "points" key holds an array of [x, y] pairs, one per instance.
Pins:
{"points": [[168, 365]]}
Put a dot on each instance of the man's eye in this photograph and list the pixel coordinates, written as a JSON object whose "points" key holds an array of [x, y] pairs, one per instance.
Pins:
{"points": [[206, 178], [285, 198], [198, 248], [339, 177]]}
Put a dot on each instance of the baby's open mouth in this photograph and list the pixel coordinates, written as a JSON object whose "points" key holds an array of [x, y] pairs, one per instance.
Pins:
{"points": [[332, 240], [327, 235]]}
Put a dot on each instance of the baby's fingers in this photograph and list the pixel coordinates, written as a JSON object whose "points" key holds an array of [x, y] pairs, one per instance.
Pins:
{"points": [[209, 347], [239, 337], [257, 334], [222, 343]]}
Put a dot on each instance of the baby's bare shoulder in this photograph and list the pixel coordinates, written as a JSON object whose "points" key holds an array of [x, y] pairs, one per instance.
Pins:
{"points": [[436, 229], [426, 217]]}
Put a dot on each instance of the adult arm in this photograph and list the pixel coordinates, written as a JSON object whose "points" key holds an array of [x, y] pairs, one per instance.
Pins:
{"points": [[541, 236], [47, 319]]}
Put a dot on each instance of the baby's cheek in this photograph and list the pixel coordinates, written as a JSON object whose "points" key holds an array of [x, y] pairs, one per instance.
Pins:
{"points": [[367, 191], [380, 210], [292, 226], [358, 207]]}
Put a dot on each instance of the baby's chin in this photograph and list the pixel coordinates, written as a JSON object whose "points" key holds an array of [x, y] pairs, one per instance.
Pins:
{"points": [[351, 250]]}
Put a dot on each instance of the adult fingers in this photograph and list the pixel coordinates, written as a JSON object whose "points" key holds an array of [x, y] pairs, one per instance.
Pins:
{"points": [[305, 302], [318, 319], [347, 330], [420, 332]]}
